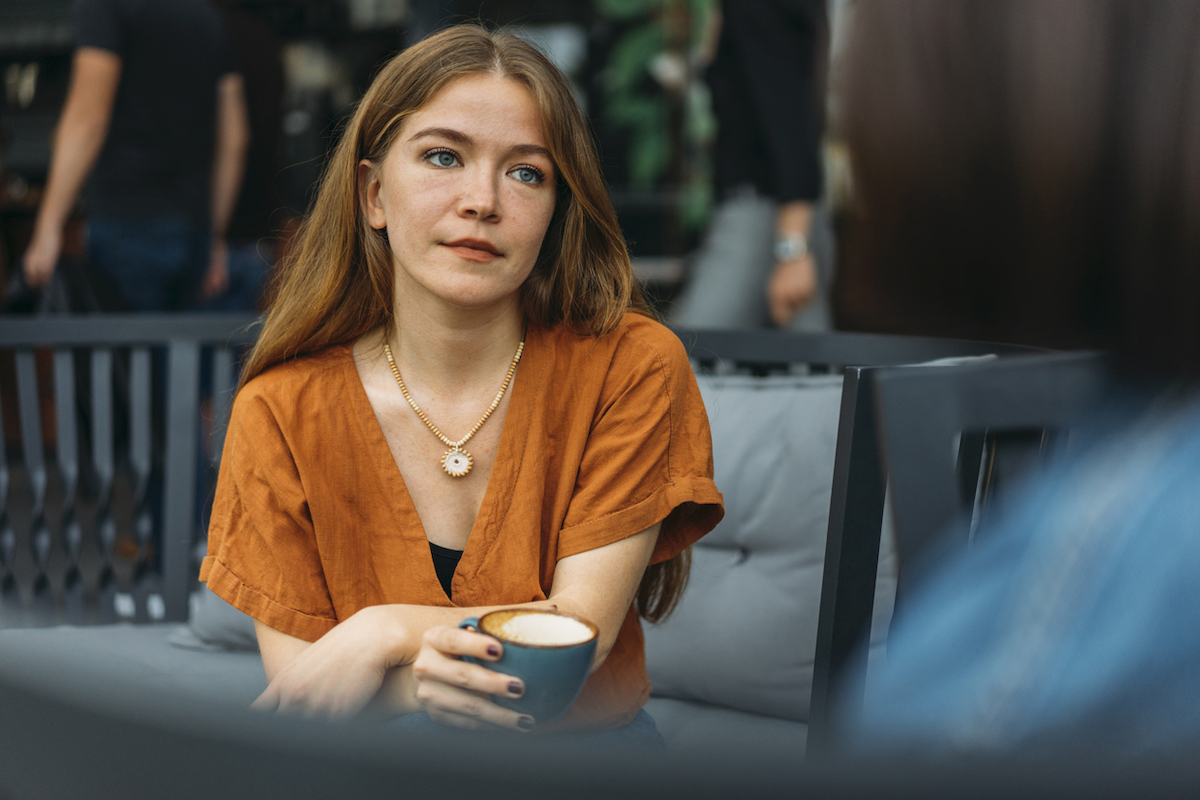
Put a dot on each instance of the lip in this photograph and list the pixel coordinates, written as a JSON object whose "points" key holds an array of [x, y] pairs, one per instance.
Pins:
{"points": [[474, 249]]}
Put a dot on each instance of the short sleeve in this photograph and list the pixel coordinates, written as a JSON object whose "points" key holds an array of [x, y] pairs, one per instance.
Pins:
{"points": [[648, 457], [262, 551], [97, 23], [224, 55]]}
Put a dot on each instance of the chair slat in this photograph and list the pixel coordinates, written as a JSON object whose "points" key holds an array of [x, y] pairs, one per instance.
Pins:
{"points": [[222, 400], [103, 465], [67, 435], [35, 470], [183, 392], [145, 578], [9, 598]]}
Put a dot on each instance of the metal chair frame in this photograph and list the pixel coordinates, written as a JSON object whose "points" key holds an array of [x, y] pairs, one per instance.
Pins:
{"points": [[857, 501], [100, 341], [929, 429]]}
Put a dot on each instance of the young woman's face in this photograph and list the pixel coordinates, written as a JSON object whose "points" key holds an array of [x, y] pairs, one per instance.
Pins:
{"points": [[466, 194]]}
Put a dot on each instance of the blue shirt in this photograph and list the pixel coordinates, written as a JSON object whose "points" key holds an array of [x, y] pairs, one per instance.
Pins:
{"points": [[1075, 620]]}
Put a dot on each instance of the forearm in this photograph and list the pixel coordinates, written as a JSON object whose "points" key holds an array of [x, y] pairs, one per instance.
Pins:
{"points": [[80, 135], [794, 218], [411, 621], [366, 662], [76, 147], [382, 641], [229, 157]]}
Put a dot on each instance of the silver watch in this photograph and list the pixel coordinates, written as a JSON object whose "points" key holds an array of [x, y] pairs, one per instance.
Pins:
{"points": [[790, 246]]}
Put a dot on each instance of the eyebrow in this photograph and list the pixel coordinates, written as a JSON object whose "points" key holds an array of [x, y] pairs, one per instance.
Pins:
{"points": [[462, 138]]}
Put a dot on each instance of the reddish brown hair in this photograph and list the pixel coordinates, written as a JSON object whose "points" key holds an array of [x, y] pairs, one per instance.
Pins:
{"points": [[336, 284]]}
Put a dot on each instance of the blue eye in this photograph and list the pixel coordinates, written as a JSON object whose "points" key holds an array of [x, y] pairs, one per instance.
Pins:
{"points": [[530, 175], [442, 158]]}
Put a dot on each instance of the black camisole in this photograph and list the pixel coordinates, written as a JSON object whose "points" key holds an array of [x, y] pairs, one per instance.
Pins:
{"points": [[445, 561]]}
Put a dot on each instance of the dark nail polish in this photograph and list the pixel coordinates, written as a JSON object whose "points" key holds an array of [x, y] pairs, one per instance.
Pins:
{"points": [[493, 650], [516, 689], [525, 723]]}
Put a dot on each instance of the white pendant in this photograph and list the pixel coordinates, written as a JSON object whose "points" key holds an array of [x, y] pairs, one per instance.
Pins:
{"points": [[457, 463]]}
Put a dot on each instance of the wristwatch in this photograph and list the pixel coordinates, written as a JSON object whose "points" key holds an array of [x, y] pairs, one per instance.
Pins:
{"points": [[791, 245]]}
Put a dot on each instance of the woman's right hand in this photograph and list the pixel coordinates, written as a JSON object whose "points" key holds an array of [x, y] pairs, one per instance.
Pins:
{"points": [[338, 675], [455, 692]]}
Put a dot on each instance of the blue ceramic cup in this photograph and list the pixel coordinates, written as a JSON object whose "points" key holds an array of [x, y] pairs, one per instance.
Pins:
{"points": [[546, 650]]}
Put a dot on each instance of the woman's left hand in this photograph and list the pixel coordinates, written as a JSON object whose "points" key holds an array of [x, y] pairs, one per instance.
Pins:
{"points": [[340, 673], [456, 692]]}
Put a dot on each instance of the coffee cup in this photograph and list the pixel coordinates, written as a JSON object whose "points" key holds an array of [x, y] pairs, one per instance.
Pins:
{"points": [[551, 652]]}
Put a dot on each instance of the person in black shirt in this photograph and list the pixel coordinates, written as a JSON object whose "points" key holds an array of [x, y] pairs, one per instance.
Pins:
{"points": [[257, 215], [155, 114], [767, 254]]}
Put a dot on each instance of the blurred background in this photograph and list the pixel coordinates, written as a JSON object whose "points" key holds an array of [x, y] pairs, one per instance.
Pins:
{"points": [[637, 67]]}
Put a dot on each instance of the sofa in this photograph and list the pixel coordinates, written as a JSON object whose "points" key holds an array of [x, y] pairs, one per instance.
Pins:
{"points": [[734, 661]]}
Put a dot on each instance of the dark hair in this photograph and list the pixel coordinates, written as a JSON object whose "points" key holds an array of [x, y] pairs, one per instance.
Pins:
{"points": [[1028, 171]]}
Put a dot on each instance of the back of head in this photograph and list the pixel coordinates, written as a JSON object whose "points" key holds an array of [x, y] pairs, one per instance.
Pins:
{"points": [[1028, 170]]}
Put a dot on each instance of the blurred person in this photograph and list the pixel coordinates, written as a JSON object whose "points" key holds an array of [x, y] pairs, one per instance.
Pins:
{"points": [[767, 256], [251, 235], [155, 115], [1029, 170], [462, 270]]}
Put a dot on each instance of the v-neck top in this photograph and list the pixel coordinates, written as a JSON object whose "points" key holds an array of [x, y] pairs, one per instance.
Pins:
{"points": [[603, 438]]}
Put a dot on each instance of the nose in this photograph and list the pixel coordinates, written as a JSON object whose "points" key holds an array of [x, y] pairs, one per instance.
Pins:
{"points": [[481, 195]]}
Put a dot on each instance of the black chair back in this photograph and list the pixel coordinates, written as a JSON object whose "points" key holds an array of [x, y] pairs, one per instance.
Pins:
{"points": [[940, 426], [857, 502], [945, 438]]}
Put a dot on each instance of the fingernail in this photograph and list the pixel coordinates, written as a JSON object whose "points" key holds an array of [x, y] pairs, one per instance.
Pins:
{"points": [[516, 689], [525, 723], [493, 650]]}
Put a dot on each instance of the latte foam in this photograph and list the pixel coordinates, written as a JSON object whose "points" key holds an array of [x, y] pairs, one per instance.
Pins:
{"points": [[543, 629]]}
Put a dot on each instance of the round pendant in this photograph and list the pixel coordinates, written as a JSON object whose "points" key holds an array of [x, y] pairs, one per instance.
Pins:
{"points": [[457, 463]]}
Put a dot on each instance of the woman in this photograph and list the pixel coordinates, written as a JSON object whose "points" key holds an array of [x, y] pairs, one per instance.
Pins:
{"points": [[1030, 171], [462, 272]]}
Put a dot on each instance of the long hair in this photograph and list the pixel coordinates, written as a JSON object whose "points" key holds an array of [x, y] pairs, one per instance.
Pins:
{"points": [[1027, 170], [336, 284]]}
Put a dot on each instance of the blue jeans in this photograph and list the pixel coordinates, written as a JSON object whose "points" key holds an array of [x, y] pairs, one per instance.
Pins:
{"points": [[641, 733], [152, 264]]}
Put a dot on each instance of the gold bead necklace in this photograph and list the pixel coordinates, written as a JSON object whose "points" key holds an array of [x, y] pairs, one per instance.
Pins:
{"points": [[456, 462]]}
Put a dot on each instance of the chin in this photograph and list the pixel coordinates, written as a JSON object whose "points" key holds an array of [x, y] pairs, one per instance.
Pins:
{"points": [[472, 295]]}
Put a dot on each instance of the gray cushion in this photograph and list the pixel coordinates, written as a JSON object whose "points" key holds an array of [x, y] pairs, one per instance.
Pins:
{"points": [[744, 633], [688, 726], [215, 625], [136, 654]]}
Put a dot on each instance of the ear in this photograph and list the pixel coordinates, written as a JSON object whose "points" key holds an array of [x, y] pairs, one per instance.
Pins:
{"points": [[368, 195]]}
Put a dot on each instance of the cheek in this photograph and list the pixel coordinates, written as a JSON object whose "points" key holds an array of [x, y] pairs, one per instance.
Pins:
{"points": [[538, 216]]}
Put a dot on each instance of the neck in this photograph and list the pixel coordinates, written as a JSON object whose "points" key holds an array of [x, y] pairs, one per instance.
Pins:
{"points": [[450, 354]]}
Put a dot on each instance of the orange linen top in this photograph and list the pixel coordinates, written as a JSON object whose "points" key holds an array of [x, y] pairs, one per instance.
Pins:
{"points": [[604, 437]]}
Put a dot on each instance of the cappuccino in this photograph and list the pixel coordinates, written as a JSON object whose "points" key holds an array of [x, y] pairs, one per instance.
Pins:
{"points": [[532, 627]]}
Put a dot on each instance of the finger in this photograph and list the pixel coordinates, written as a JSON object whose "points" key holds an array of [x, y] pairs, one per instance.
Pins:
{"points": [[779, 309], [461, 642], [469, 709], [438, 668], [524, 724], [452, 720]]}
